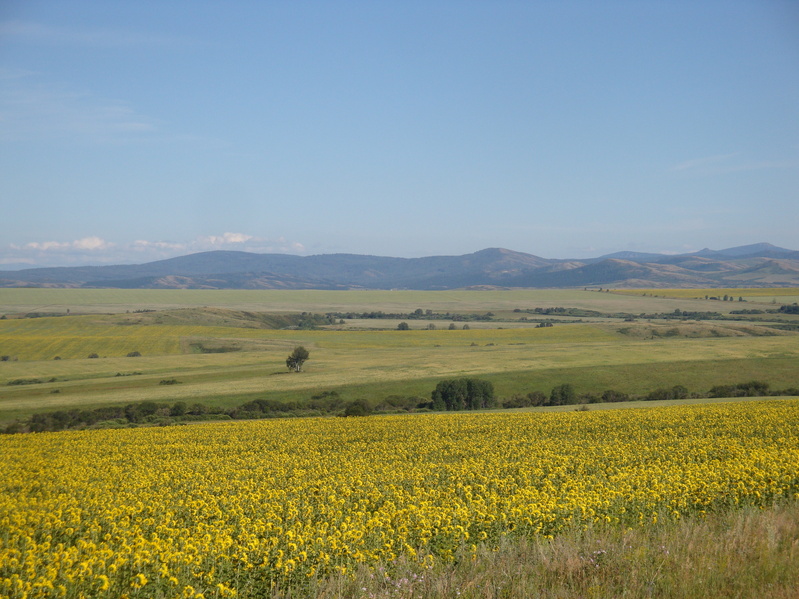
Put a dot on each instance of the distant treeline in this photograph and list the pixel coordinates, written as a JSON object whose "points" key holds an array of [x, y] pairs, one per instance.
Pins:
{"points": [[582, 313], [677, 314], [566, 395], [449, 395], [417, 314], [310, 320], [150, 413]]}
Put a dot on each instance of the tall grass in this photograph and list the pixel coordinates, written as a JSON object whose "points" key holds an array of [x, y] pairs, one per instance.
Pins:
{"points": [[747, 554]]}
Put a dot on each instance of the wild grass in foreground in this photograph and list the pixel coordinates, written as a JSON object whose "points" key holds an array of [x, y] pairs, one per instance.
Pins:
{"points": [[749, 553]]}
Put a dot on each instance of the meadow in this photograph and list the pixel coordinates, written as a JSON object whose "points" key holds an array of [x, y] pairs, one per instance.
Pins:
{"points": [[229, 352], [783, 295], [283, 507], [25, 300], [368, 364]]}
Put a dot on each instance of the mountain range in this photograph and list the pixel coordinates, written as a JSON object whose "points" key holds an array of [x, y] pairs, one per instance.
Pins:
{"points": [[758, 265]]}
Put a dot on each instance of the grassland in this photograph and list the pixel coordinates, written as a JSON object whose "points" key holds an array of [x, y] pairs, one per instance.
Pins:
{"points": [[359, 359], [783, 295], [25, 300]]}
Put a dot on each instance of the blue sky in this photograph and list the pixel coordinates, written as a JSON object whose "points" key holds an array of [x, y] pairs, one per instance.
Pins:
{"points": [[133, 131]]}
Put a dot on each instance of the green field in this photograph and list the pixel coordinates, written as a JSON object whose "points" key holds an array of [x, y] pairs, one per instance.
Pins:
{"points": [[24, 300], [223, 355], [782, 295]]}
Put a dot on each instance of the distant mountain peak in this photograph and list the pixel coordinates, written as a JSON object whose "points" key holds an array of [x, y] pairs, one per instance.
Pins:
{"points": [[754, 249]]}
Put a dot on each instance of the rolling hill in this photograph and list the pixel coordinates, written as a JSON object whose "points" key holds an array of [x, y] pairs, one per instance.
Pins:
{"points": [[746, 266]]}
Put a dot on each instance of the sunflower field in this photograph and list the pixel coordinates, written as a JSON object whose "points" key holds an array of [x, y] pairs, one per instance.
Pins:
{"points": [[233, 509]]}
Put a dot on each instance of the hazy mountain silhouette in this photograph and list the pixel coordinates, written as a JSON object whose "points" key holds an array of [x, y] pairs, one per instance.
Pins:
{"points": [[760, 264]]}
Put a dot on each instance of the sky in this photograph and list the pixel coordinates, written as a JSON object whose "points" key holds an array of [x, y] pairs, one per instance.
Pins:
{"points": [[133, 131]]}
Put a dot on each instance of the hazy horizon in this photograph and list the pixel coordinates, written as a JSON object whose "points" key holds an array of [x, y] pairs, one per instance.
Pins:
{"points": [[15, 267], [136, 131]]}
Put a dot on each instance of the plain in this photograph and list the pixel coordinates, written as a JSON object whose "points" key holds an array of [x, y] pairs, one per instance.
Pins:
{"points": [[222, 349]]}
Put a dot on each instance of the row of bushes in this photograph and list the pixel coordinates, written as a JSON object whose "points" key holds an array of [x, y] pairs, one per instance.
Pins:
{"points": [[449, 395], [417, 314], [146, 412], [149, 413], [566, 395], [675, 315]]}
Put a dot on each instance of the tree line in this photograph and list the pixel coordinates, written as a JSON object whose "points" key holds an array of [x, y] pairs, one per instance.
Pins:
{"points": [[418, 314], [458, 394], [565, 394]]}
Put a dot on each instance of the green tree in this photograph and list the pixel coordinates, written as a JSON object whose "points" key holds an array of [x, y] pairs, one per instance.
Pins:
{"points": [[680, 392], [403, 326], [198, 409], [463, 394], [562, 395], [297, 358]]}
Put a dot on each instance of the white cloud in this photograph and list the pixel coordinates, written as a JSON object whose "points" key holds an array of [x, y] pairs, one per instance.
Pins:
{"points": [[92, 243], [225, 239], [141, 244], [246, 243], [96, 250], [45, 246], [86, 243]]}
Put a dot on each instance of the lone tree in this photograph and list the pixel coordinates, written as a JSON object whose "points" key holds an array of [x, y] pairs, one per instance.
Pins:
{"points": [[297, 358]]}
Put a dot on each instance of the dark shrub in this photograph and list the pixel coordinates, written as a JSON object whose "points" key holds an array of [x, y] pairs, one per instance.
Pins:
{"points": [[359, 407], [612, 395], [198, 409], [563, 395], [532, 399]]}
